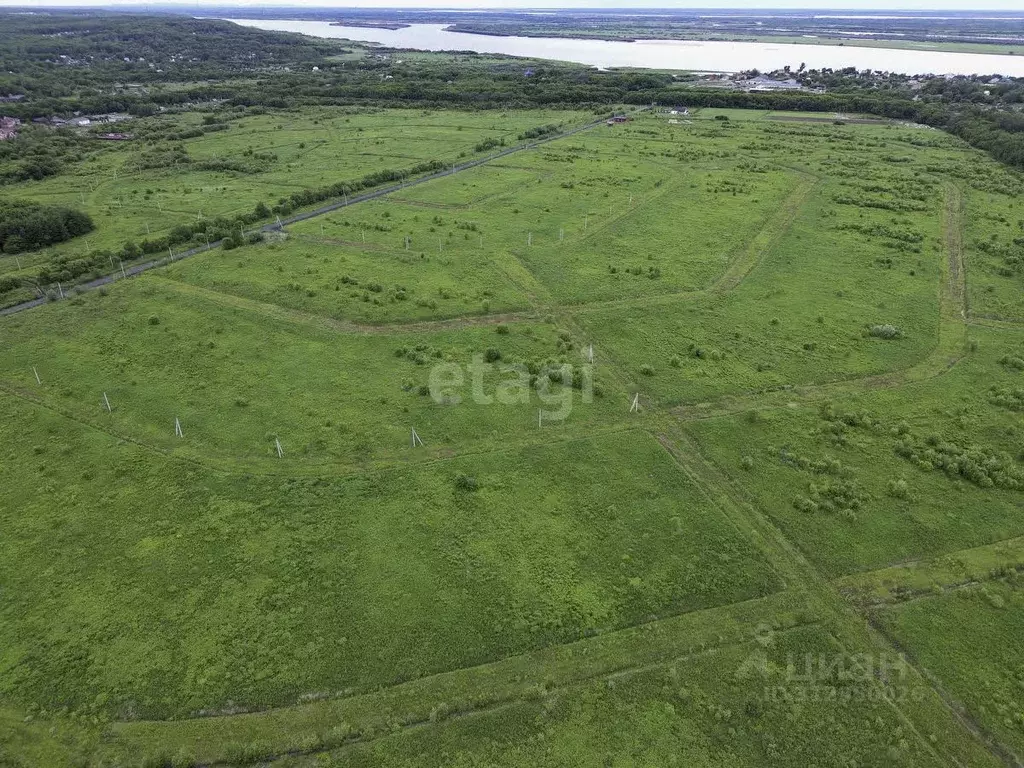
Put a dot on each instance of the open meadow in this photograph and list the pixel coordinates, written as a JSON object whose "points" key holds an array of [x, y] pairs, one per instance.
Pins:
{"points": [[190, 170], [675, 441]]}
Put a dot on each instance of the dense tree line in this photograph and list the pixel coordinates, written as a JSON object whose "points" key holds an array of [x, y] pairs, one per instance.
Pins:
{"points": [[68, 54], [25, 226], [37, 153]]}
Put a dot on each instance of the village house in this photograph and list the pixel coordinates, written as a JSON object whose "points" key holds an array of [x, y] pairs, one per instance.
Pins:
{"points": [[9, 127]]}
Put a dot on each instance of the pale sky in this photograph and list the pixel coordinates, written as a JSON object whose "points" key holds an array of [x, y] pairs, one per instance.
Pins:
{"points": [[853, 5]]}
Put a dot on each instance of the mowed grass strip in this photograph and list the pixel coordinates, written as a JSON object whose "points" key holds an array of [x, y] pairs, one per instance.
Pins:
{"points": [[699, 711], [708, 708], [139, 586], [328, 721]]}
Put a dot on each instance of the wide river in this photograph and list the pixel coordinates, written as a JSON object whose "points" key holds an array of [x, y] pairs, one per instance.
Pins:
{"points": [[666, 54]]}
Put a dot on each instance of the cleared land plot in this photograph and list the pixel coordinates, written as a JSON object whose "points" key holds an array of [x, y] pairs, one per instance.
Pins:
{"points": [[469, 188], [208, 588], [994, 246], [970, 640], [238, 377], [872, 479], [138, 189], [803, 314], [334, 273], [675, 235]]}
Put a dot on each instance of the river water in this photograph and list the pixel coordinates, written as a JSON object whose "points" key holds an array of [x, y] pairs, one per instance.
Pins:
{"points": [[666, 54]]}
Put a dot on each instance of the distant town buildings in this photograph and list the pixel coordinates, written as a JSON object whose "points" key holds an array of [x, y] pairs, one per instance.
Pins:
{"points": [[753, 84], [762, 83], [82, 121]]}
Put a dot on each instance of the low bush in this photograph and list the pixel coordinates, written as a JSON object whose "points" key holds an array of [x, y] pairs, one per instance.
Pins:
{"points": [[884, 332]]}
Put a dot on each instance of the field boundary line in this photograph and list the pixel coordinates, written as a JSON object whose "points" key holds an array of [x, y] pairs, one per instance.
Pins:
{"points": [[523, 698], [767, 237], [326, 469], [952, 226], [302, 317], [917, 595], [998, 323], [751, 254], [483, 198], [40, 402], [903, 581], [549, 302]]}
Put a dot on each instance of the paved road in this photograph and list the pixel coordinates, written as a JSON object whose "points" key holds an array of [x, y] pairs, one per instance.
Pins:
{"points": [[139, 268]]}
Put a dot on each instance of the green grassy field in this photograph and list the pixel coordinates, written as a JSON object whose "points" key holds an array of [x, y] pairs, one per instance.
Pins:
{"points": [[314, 568], [968, 638], [886, 507], [786, 445], [133, 191]]}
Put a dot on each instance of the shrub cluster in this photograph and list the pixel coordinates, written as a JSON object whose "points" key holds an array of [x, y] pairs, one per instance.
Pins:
{"points": [[487, 144], [312, 196], [825, 466], [419, 354], [900, 206], [466, 483], [884, 332], [976, 464], [1006, 397], [539, 132], [1012, 361], [833, 496], [25, 226]]}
